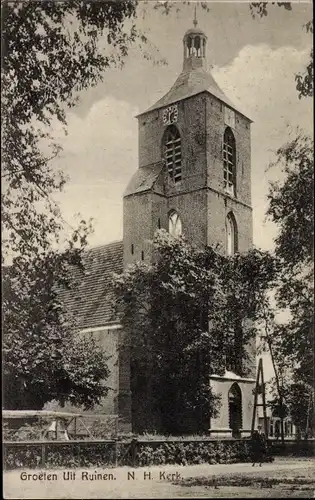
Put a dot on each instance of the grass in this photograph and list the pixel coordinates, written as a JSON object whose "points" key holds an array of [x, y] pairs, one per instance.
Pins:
{"points": [[280, 481]]}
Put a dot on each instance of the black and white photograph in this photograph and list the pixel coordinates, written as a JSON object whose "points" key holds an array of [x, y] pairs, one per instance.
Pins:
{"points": [[157, 249]]}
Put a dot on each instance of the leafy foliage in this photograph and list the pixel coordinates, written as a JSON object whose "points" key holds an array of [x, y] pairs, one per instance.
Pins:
{"points": [[186, 315], [298, 403], [44, 358], [291, 343], [260, 8], [100, 455], [291, 202], [305, 82], [291, 208], [194, 452], [51, 51]]}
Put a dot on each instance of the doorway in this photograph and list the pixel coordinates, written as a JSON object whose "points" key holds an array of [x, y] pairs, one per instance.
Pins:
{"points": [[235, 410]]}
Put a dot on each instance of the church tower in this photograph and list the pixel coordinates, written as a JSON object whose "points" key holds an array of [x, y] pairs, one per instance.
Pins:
{"points": [[194, 178]]}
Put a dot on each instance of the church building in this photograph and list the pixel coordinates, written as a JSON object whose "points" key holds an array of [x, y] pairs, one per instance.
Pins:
{"points": [[193, 178]]}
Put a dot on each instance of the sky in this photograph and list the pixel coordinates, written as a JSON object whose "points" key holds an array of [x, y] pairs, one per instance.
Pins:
{"points": [[253, 60]]}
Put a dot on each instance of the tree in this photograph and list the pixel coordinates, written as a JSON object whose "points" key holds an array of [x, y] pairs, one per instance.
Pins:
{"points": [[182, 315], [291, 343], [304, 81], [291, 208], [298, 404], [44, 358], [50, 52]]}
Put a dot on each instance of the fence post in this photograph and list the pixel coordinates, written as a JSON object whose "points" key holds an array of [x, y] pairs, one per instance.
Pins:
{"points": [[43, 447], [134, 443], [116, 449]]}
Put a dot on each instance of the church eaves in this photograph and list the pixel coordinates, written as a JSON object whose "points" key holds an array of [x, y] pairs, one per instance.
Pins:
{"points": [[143, 179]]}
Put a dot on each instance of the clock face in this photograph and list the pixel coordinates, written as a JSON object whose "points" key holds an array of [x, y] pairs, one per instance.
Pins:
{"points": [[170, 115]]}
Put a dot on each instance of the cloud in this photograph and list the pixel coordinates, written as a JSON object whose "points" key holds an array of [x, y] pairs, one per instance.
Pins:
{"points": [[99, 155], [260, 81]]}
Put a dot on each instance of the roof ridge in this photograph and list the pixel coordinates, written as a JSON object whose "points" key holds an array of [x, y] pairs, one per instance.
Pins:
{"points": [[102, 245]]}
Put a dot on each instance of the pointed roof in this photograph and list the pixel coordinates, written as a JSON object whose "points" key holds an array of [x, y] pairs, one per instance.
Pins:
{"points": [[194, 78], [189, 83]]}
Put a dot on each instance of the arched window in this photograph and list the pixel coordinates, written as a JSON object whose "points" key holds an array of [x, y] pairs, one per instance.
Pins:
{"points": [[231, 235], [235, 409], [189, 44], [173, 153], [229, 162], [174, 224], [197, 45]]}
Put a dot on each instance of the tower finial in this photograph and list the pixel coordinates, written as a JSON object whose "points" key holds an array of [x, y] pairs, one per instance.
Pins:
{"points": [[195, 18]]}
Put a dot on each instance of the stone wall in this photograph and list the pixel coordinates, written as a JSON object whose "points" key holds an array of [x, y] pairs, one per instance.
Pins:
{"points": [[220, 425]]}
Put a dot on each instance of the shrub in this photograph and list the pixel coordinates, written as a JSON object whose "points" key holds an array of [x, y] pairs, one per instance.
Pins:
{"points": [[74, 454]]}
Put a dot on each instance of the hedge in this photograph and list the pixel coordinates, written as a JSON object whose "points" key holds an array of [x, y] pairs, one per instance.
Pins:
{"points": [[135, 453]]}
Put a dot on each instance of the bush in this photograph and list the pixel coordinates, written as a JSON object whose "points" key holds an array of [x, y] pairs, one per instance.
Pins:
{"points": [[74, 454], [66, 455], [194, 452], [26, 432]]}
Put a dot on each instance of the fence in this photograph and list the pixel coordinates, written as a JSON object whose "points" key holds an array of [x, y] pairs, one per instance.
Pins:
{"points": [[137, 452], [111, 453]]}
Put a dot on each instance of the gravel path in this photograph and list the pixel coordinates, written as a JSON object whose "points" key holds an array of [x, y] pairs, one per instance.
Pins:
{"points": [[144, 482]]}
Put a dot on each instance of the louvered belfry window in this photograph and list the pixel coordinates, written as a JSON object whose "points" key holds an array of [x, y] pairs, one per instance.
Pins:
{"points": [[229, 160], [173, 153]]}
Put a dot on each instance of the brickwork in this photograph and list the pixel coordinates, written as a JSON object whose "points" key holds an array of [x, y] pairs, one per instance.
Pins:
{"points": [[108, 339], [203, 113], [124, 396], [137, 227]]}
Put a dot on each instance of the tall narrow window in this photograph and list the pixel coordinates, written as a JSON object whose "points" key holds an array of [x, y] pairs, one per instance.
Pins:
{"points": [[231, 235], [229, 162], [173, 153], [175, 224]]}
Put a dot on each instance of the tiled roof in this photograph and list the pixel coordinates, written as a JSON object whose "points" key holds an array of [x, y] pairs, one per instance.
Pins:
{"points": [[90, 300], [143, 179], [191, 82]]}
